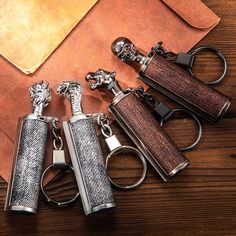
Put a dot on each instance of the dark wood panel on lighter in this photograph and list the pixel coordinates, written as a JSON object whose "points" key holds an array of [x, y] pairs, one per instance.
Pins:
{"points": [[162, 151], [201, 200], [185, 89]]}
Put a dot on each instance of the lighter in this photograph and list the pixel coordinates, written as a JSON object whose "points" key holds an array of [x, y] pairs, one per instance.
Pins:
{"points": [[24, 186], [158, 71], [86, 155], [141, 126]]}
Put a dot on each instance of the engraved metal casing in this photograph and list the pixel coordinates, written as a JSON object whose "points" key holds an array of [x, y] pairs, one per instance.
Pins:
{"points": [[128, 110], [24, 185], [86, 155]]}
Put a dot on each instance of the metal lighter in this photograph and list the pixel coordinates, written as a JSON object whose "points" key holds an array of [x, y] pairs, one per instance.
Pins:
{"points": [[24, 186], [86, 155], [160, 69], [141, 126]]}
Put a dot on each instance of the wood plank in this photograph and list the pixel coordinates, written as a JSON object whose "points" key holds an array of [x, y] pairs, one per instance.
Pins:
{"points": [[201, 200]]}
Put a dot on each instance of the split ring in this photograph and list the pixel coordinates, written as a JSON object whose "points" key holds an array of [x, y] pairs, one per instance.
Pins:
{"points": [[50, 200], [200, 130], [219, 54], [128, 149]]}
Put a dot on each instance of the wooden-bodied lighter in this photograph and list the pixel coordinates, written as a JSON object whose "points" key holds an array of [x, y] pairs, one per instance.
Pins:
{"points": [[159, 72], [141, 126]]}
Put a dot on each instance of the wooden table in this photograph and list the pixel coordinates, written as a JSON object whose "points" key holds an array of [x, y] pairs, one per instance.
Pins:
{"points": [[201, 200]]}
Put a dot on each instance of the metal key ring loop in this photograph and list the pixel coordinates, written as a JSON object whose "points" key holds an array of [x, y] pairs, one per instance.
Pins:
{"points": [[126, 149], [197, 140], [220, 55], [50, 200]]}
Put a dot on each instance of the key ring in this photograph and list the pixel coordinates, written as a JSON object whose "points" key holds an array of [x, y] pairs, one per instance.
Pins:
{"points": [[48, 199], [58, 163], [165, 112], [127, 149], [187, 59], [197, 121], [219, 54], [115, 148]]}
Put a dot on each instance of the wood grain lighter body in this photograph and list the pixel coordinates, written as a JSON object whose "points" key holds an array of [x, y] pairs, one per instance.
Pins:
{"points": [[179, 85], [146, 133]]}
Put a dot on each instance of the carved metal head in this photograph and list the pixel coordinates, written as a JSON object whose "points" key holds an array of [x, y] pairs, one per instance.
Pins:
{"points": [[100, 78], [40, 96], [68, 88], [73, 91], [124, 49]]}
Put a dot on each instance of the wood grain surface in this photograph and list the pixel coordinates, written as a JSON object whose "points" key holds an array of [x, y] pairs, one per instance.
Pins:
{"points": [[207, 102], [164, 155], [201, 200]]}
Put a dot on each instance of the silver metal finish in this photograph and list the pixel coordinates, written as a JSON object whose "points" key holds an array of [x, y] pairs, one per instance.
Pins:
{"points": [[126, 51], [23, 209], [24, 186], [112, 142], [40, 97], [59, 157], [224, 109], [102, 78], [180, 167], [115, 148], [73, 91], [86, 155]]}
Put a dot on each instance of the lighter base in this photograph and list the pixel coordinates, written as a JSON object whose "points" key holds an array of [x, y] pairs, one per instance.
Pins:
{"points": [[180, 167], [102, 207], [22, 210]]}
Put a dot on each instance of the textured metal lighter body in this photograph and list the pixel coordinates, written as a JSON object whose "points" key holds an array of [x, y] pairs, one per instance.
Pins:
{"points": [[141, 126], [86, 155], [24, 186], [173, 81]]}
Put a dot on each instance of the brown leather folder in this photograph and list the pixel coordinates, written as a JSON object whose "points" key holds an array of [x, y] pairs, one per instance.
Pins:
{"points": [[179, 24]]}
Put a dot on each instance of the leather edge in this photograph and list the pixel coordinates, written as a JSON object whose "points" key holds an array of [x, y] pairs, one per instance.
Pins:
{"points": [[189, 10]]}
